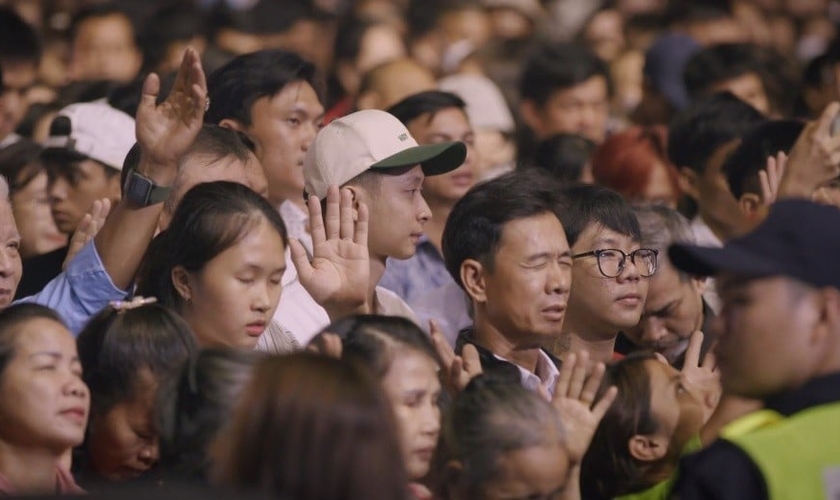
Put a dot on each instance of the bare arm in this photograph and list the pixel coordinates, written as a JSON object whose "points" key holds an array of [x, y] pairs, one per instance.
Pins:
{"points": [[165, 132]]}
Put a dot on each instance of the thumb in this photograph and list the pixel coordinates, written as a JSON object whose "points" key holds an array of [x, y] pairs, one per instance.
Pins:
{"points": [[300, 259]]}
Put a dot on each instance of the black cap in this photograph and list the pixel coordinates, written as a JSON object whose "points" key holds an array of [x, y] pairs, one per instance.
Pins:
{"points": [[799, 239]]}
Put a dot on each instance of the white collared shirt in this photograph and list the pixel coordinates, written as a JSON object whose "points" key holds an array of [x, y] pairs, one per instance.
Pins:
{"points": [[546, 374], [297, 224], [704, 236]]}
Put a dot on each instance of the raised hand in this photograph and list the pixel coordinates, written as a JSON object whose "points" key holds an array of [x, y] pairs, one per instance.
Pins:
{"points": [[87, 229], [458, 370], [166, 131], [338, 276], [814, 158], [703, 376], [574, 399], [771, 176]]}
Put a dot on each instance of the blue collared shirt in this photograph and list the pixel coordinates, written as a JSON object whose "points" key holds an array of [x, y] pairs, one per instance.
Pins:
{"points": [[413, 278], [79, 292]]}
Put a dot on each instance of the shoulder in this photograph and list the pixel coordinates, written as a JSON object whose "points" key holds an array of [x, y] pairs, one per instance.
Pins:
{"points": [[721, 471]]}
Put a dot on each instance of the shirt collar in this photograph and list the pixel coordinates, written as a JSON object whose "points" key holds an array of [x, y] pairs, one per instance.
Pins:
{"points": [[817, 391]]}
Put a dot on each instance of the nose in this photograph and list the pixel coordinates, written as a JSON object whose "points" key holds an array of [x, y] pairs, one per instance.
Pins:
{"points": [[76, 388], [309, 136], [431, 420], [149, 452], [56, 189], [559, 279], [630, 271], [653, 330], [262, 298], [6, 263], [424, 213]]}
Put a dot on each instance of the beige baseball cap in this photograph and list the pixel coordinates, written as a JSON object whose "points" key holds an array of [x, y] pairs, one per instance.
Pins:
{"points": [[371, 139]]}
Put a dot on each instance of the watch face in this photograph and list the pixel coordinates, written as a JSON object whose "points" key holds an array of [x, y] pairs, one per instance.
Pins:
{"points": [[137, 188]]}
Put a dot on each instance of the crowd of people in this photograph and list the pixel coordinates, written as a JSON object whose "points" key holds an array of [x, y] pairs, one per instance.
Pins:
{"points": [[420, 249]]}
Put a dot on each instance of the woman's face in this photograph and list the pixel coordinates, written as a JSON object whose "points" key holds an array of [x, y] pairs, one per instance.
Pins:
{"points": [[43, 401], [676, 406], [413, 388], [231, 301], [31, 207], [123, 443]]}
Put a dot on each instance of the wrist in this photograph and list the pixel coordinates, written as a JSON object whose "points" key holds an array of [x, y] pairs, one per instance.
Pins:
{"points": [[161, 173]]}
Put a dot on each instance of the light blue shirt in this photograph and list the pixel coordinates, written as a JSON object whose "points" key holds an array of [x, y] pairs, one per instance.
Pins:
{"points": [[79, 292], [413, 278]]}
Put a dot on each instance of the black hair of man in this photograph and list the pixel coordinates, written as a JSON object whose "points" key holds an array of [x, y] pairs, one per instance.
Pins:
{"points": [[236, 86], [474, 228], [429, 102], [173, 22], [559, 66], [562, 155], [688, 12], [19, 42], [99, 11], [698, 131], [586, 204], [719, 63], [750, 157]]}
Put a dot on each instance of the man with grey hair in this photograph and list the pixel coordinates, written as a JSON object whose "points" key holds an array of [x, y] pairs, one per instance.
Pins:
{"points": [[674, 307]]}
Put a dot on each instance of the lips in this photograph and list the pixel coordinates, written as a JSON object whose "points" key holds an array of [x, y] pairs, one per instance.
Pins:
{"points": [[256, 328], [76, 413], [630, 299], [555, 312]]}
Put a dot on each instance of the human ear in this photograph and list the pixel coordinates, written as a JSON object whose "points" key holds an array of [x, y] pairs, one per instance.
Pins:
{"points": [[828, 321], [531, 115], [232, 124], [688, 180], [472, 276], [181, 281], [750, 204], [647, 448]]}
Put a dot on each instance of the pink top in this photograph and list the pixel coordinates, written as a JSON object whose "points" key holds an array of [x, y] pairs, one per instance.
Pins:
{"points": [[420, 492], [64, 484]]}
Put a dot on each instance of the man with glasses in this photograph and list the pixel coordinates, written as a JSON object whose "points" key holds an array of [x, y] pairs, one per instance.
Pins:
{"points": [[610, 271]]}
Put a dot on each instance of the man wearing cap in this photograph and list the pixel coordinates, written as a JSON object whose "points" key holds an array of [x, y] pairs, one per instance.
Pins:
{"points": [[380, 169], [83, 157], [780, 342]]}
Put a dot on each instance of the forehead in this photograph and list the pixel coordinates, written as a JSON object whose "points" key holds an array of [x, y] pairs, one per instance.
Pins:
{"points": [[8, 226], [444, 118], [597, 236], [18, 75], [594, 88], [533, 234], [298, 96], [659, 373], [38, 334]]}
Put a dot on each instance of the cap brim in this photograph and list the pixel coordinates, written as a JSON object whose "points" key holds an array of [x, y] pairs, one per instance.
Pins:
{"points": [[708, 261], [435, 159]]}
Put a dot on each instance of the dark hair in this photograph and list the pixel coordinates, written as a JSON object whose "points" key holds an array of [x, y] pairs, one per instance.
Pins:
{"points": [[564, 156], [373, 340], [488, 418], [608, 470], [698, 131], [719, 63], [18, 40], [696, 11], [431, 102], [586, 204], [212, 217], [194, 406], [97, 11], [348, 38], [474, 227], [263, 17], [20, 163], [126, 97], [750, 157], [172, 22], [662, 227], [304, 414], [116, 345], [11, 318], [559, 66], [235, 87]]}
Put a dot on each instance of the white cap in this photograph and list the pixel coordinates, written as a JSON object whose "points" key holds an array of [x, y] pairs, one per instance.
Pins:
{"points": [[371, 139], [94, 129], [486, 106]]}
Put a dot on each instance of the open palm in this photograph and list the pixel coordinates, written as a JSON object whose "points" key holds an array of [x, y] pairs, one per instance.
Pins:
{"points": [[338, 275]]}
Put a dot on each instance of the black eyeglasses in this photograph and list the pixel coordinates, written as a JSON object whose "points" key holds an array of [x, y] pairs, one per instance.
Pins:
{"points": [[611, 261]]}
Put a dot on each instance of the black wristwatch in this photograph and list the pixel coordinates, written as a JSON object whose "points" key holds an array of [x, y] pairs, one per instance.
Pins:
{"points": [[142, 191]]}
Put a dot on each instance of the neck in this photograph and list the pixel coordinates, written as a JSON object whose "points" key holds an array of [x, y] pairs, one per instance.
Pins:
{"points": [[434, 227], [488, 336], [722, 232], [600, 350], [377, 270], [28, 470], [298, 202], [658, 471]]}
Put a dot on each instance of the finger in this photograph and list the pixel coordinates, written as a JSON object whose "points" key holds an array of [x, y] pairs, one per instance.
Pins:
{"points": [[106, 208], [472, 362], [332, 220], [346, 223], [692, 354], [360, 235], [442, 347], [710, 361], [766, 190], [593, 383], [566, 369], [149, 95], [457, 377], [316, 221], [578, 376], [603, 404], [300, 259]]}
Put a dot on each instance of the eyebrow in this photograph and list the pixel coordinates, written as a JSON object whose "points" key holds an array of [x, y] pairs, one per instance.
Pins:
{"points": [[664, 308], [53, 354], [544, 255]]}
